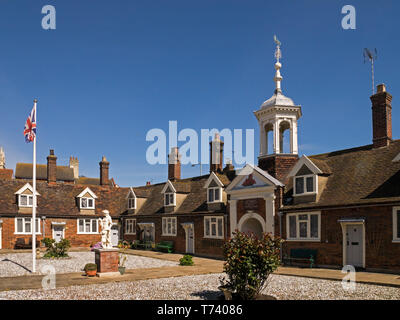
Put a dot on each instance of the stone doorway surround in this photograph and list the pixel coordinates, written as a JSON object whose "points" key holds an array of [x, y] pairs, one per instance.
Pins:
{"points": [[189, 227], [344, 223]]}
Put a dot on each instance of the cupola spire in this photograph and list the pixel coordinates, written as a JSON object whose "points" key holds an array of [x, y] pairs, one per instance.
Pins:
{"points": [[278, 65]]}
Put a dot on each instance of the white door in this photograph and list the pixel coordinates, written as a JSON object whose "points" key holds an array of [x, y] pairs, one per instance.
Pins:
{"points": [[190, 240], [58, 233], [114, 236], [354, 243]]}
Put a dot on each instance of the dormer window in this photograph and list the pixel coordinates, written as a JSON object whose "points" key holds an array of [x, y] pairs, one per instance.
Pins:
{"points": [[169, 199], [131, 199], [169, 193], [25, 196], [305, 184], [87, 199], [214, 194]]}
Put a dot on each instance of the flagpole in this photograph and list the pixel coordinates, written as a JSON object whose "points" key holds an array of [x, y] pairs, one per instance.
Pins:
{"points": [[34, 198]]}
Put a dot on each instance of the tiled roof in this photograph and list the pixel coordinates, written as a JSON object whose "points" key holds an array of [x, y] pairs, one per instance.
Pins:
{"points": [[24, 171], [358, 175]]}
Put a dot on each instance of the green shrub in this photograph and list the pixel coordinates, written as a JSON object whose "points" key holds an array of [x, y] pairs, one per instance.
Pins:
{"points": [[90, 267], [249, 262], [186, 260], [56, 249]]}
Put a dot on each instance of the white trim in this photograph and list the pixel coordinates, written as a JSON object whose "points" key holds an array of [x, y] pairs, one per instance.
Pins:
{"points": [[213, 177], [87, 190], [174, 223], [129, 204], [90, 232], [131, 192], [29, 201], [308, 238], [93, 206], [315, 185], [344, 225], [210, 236], [394, 221], [252, 215], [168, 184], [126, 226], [23, 225], [26, 186], [304, 160], [58, 225], [186, 226], [170, 204]]}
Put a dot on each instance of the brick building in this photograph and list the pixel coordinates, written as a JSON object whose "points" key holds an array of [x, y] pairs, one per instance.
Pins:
{"points": [[345, 204]]}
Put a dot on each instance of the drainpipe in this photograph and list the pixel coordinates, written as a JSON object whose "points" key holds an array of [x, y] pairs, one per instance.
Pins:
{"points": [[280, 214]]}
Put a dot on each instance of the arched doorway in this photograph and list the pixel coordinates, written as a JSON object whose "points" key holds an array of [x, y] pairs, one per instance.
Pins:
{"points": [[252, 223]]}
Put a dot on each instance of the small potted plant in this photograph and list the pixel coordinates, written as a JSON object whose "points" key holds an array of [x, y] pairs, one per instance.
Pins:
{"points": [[121, 264], [90, 269]]}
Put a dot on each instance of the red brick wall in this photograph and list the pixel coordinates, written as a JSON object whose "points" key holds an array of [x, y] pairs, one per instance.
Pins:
{"points": [[381, 253], [278, 166], [381, 119]]}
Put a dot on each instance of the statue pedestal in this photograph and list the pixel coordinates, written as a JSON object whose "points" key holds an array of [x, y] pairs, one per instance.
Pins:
{"points": [[106, 260]]}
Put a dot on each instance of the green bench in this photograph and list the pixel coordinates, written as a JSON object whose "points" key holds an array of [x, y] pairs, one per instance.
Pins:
{"points": [[165, 246], [301, 255]]}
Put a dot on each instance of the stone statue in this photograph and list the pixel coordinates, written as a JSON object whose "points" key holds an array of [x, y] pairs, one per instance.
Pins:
{"points": [[106, 224], [2, 159]]}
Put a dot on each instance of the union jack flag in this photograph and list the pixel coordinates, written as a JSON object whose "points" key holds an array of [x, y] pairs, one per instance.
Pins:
{"points": [[30, 126]]}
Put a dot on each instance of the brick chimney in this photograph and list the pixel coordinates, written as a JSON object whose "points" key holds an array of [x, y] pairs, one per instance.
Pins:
{"points": [[216, 154], [174, 164], [104, 166], [381, 117], [74, 164], [51, 167]]}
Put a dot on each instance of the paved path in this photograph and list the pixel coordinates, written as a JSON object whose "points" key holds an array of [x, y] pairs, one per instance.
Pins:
{"points": [[201, 266]]}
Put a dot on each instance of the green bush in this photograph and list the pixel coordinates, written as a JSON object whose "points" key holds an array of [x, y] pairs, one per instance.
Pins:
{"points": [[56, 249], [249, 262], [90, 267], [186, 260]]}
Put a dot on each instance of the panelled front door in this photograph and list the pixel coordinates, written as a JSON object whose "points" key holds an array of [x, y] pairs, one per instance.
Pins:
{"points": [[114, 235], [354, 245], [58, 233]]}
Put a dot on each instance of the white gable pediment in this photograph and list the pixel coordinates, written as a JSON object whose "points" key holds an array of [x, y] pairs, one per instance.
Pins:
{"points": [[168, 186], [304, 161], [131, 193], [84, 192], [211, 178], [26, 187], [253, 177]]}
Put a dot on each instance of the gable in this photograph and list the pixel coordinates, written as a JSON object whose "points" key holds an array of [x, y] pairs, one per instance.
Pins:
{"points": [[304, 161], [213, 184], [304, 170], [87, 193]]}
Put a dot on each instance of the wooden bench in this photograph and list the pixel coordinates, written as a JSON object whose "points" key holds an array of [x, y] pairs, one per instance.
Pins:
{"points": [[301, 255], [145, 245], [165, 246], [21, 244]]}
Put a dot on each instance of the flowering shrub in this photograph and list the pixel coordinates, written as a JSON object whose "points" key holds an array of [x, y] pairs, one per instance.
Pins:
{"points": [[97, 245], [249, 262]]}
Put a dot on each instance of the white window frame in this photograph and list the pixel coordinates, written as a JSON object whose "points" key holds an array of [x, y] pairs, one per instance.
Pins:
{"points": [[131, 203], [29, 197], [91, 225], [87, 198], [315, 184], [298, 238], [217, 236], [165, 222], [23, 225], [130, 223], [215, 189], [173, 198], [395, 238]]}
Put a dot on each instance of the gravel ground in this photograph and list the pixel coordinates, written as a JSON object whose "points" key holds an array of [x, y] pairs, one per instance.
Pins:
{"points": [[206, 287], [18, 264]]}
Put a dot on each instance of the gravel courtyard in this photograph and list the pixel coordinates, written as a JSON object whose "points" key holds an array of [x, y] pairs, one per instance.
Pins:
{"points": [[205, 287], [19, 264]]}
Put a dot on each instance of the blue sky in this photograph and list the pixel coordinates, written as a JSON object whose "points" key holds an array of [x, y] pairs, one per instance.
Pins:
{"points": [[113, 70]]}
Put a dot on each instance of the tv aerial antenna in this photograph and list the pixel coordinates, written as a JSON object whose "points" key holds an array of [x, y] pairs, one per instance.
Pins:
{"points": [[371, 56]]}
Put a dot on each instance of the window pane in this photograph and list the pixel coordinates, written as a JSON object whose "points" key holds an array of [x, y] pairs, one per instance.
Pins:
{"points": [[90, 203], [292, 227], [173, 226], [303, 217], [30, 200], [164, 225], [84, 203], [220, 227], [81, 226], [303, 229], [87, 225], [94, 225], [213, 229], [37, 226], [169, 227], [216, 194], [28, 225], [23, 200], [210, 195], [314, 225], [310, 184], [207, 227], [19, 225], [299, 185], [171, 198]]}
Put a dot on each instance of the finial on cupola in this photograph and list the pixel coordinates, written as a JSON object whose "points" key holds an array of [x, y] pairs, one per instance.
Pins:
{"points": [[278, 65]]}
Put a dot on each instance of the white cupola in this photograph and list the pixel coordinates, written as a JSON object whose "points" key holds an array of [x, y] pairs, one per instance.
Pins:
{"points": [[278, 114]]}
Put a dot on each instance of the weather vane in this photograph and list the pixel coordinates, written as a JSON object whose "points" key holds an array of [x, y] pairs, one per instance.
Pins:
{"points": [[278, 53], [371, 57]]}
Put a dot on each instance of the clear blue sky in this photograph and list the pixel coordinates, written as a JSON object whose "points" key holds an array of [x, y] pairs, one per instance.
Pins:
{"points": [[112, 70]]}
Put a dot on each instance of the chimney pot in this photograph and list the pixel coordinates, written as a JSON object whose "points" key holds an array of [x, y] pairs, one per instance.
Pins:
{"points": [[174, 164], [51, 167], [104, 170], [381, 117], [381, 88], [216, 154]]}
